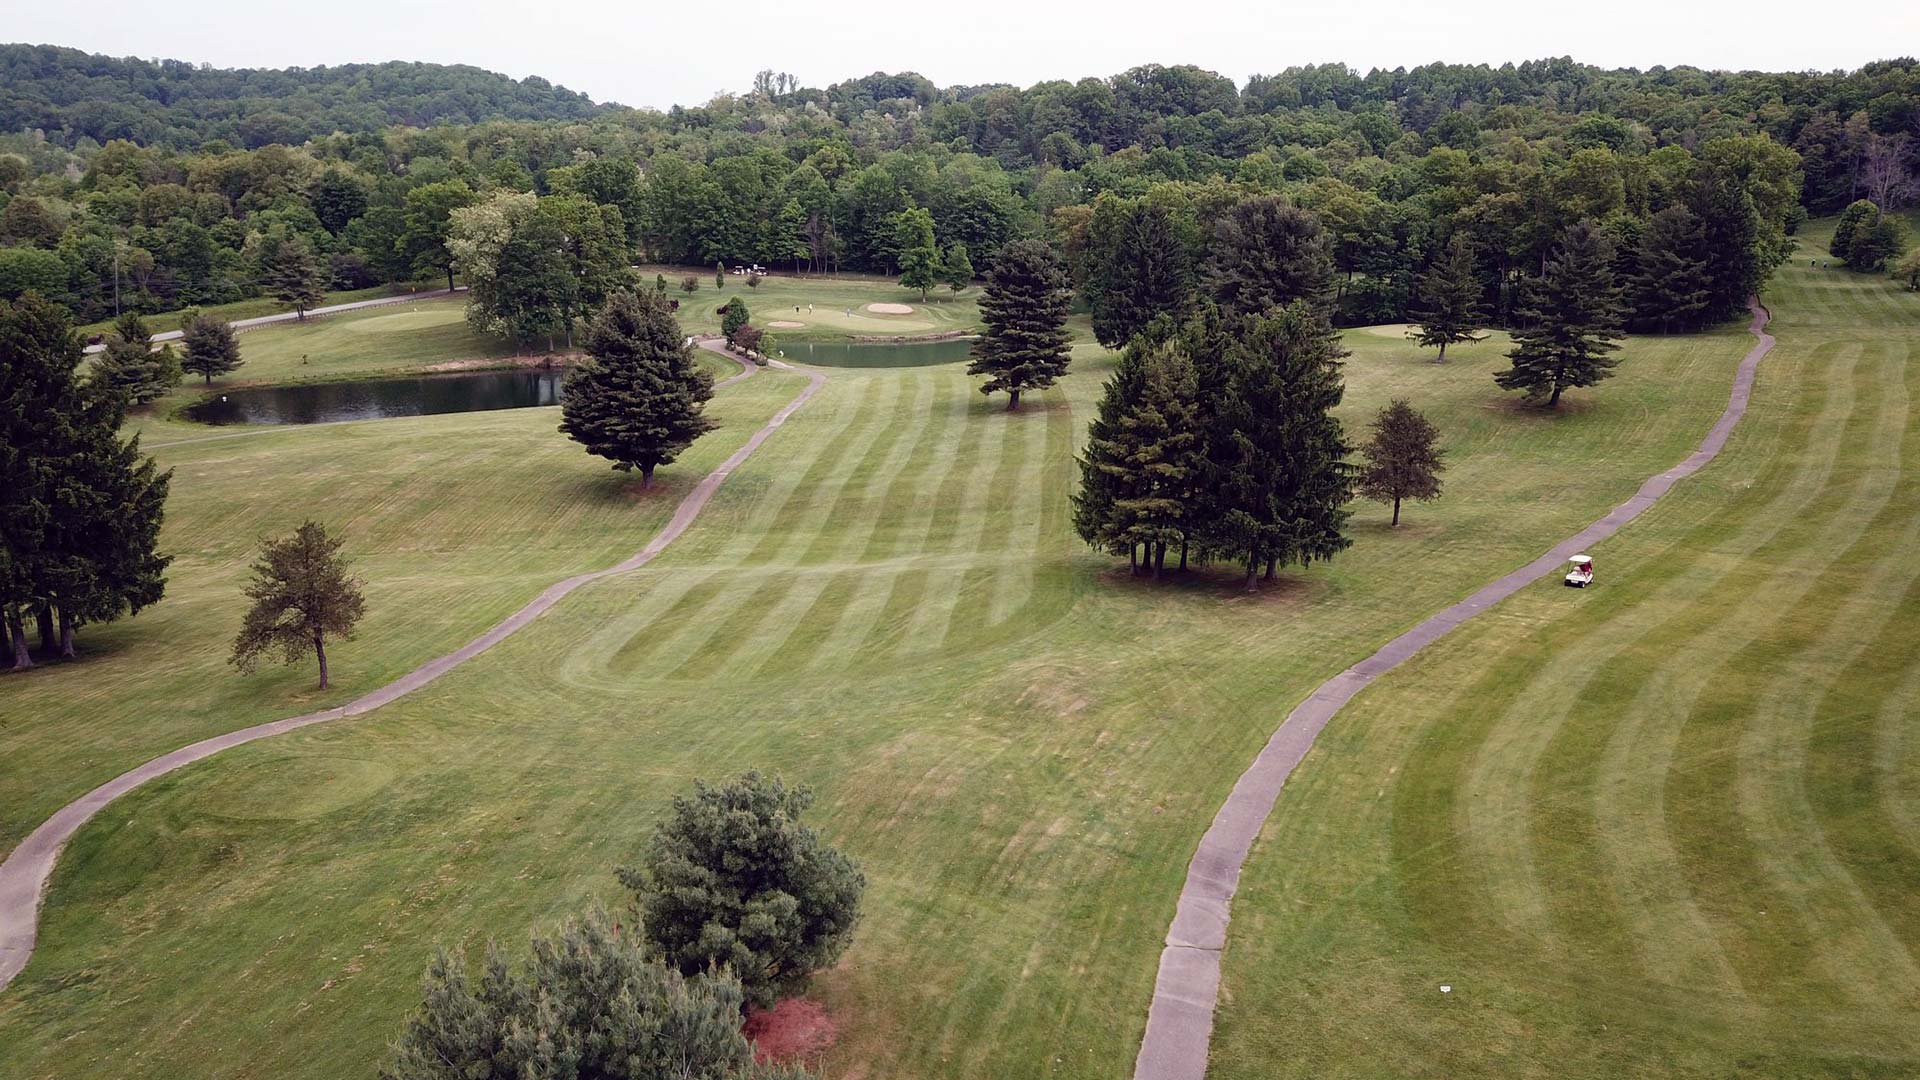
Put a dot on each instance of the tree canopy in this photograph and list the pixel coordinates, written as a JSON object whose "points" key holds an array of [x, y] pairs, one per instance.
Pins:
{"points": [[638, 398], [1025, 345]]}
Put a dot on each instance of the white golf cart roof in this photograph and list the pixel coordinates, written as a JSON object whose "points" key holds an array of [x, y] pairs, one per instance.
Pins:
{"points": [[1581, 559]]}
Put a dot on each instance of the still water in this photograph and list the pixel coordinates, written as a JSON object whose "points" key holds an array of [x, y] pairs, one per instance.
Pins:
{"points": [[375, 399], [482, 391]]}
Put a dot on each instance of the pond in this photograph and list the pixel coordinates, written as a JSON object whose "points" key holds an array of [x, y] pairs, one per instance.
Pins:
{"points": [[376, 399], [483, 391]]}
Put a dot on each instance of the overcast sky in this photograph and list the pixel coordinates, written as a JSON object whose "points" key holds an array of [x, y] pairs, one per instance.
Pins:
{"points": [[662, 54]]}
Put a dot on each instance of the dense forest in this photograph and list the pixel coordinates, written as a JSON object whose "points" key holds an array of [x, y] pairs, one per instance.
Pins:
{"points": [[1680, 167], [76, 98]]}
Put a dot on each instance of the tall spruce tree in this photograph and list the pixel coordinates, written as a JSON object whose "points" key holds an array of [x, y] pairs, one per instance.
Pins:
{"points": [[80, 508], [1672, 285], [1570, 320], [1146, 275], [1268, 253], [1402, 460], [1144, 463], [210, 348], [1276, 453], [638, 397], [289, 271], [1731, 245], [129, 365], [1451, 306], [1025, 345]]}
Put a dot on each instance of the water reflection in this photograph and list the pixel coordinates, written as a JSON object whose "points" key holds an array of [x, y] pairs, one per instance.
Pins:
{"points": [[375, 399]]}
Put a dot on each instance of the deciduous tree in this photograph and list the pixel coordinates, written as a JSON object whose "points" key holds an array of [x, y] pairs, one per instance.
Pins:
{"points": [[956, 267], [919, 259], [733, 880], [638, 397], [1402, 458], [302, 596], [1025, 345]]}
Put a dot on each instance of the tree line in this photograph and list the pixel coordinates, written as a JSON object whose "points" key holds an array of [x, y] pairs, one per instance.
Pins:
{"points": [[1395, 164]]}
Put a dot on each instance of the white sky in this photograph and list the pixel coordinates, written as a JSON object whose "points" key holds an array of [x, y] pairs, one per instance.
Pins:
{"points": [[664, 53]]}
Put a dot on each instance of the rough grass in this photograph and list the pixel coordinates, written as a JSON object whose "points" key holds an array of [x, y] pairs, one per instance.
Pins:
{"points": [[260, 305], [1020, 744], [1665, 827]]}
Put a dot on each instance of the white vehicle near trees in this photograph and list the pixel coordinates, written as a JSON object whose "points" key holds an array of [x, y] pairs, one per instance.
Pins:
{"points": [[1581, 575]]}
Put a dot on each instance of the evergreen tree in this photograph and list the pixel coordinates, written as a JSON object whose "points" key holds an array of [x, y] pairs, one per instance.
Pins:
{"points": [[1857, 211], [1145, 276], [1025, 345], [588, 1005], [1151, 458], [1268, 253], [637, 398], [1402, 460], [1731, 248], [1103, 468], [956, 267], [290, 273], [1571, 318], [720, 275], [129, 365], [301, 597], [1276, 454], [733, 880], [80, 509], [210, 347], [1672, 285], [919, 259], [1451, 307]]}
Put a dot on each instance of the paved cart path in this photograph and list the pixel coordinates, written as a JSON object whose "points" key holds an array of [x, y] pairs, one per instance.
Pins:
{"points": [[1180, 1019], [311, 313], [23, 877]]}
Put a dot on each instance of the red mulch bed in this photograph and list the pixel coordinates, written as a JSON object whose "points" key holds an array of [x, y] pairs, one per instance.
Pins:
{"points": [[796, 1030]]}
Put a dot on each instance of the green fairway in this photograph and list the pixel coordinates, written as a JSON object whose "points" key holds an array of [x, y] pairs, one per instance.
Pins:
{"points": [[1663, 827], [260, 305], [832, 308], [886, 601]]}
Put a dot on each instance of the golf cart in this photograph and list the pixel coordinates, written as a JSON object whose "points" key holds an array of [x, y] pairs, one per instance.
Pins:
{"points": [[1581, 575]]}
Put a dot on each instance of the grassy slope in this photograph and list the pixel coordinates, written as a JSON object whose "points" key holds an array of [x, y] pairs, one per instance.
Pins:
{"points": [[831, 297], [258, 306], [885, 601], [1665, 827]]}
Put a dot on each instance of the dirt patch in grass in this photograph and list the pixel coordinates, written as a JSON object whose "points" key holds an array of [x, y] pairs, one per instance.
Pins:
{"points": [[796, 1030]]}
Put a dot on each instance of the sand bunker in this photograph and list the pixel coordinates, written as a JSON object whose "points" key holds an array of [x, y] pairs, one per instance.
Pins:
{"points": [[785, 324], [890, 309]]}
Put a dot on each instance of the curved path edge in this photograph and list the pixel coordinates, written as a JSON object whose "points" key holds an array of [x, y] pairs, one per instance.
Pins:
{"points": [[1180, 1019], [23, 877]]}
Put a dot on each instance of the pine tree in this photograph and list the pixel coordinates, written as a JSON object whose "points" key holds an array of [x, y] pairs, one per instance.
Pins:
{"points": [[108, 507], [637, 398], [1571, 317], [1731, 243], [587, 1005], [956, 267], [1402, 460], [1154, 456], [919, 259], [1268, 253], [1451, 307], [1146, 276], [1025, 345], [1672, 287], [1103, 468], [733, 879], [129, 365], [210, 347], [1276, 454], [290, 273], [301, 597]]}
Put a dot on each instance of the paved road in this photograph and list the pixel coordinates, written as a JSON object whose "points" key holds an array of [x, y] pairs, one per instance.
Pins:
{"points": [[312, 313], [23, 877], [1180, 1020]]}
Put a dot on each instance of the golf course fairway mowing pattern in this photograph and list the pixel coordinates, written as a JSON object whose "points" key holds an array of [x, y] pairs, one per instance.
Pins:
{"points": [[1667, 827], [886, 601], [24, 873]]}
